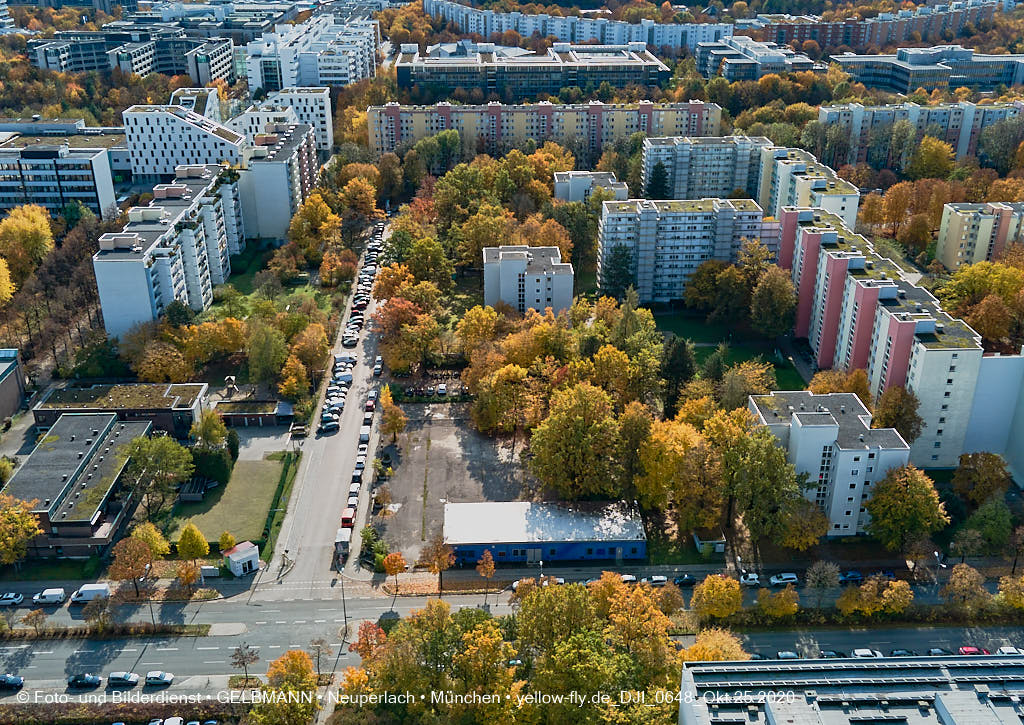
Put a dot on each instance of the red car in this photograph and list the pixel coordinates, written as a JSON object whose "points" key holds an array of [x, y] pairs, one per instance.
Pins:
{"points": [[973, 651]]}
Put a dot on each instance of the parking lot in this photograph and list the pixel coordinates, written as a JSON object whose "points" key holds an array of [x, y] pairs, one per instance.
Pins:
{"points": [[440, 458]]}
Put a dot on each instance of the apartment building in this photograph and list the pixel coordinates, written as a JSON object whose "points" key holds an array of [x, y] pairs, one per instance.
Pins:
{"points": [[523, 76], [312, 105], [577, 29], [281, 172], [972, 233], [6, 21], [958, 124], [579, 185], [739, 58], [177, 247], [204, 101], [54, 175], [527, 278], [940, 67], [725, 166], [668, 240], [829, 437], [927, 22], [584, 127], [325, 50], [162, 138], [858, 312]]}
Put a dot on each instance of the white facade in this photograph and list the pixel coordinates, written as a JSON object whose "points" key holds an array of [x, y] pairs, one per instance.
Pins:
{"points": [[281, 173], [54, 176], [527, 278], [830, 438], [162, 138], [325, 50], [312, 105], [175, 248], [579, 185], [668, 240]]}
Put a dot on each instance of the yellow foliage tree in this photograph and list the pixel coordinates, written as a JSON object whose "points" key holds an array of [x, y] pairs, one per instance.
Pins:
{"points": [[162, 362], [717, 596], [310, 346], [294, 380], [25, 238], [715, 645], [780, 604], [6, 285]]}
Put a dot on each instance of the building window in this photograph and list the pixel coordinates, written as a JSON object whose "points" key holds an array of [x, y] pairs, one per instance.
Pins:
{"points": [[590, 552], [938, 444], [632, 550]]}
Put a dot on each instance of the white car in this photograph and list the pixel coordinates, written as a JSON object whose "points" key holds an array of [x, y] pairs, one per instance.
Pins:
{"points": [[655, 581], [159, 678], [866, 654], [750, 579], [781, 580], [442, 389], [628, 579], [1007, 650], [11, 599]]}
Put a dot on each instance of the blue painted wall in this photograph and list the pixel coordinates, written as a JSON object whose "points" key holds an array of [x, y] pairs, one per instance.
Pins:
{"points": [[552, 551]]}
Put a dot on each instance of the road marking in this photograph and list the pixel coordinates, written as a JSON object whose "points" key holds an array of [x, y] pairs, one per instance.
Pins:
{"points": [[128, 649], [259, 622], [144, 664], [166, 649], [273, 611], [207, 647], [45, 652], [32, 667], [335, 644], [273, 646], [319, 621], [213, 662], [299, 621]]}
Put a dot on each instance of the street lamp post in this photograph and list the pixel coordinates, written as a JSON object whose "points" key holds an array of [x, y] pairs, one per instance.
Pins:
{"points": [[541, 569], [938, 565], [344, 609]]}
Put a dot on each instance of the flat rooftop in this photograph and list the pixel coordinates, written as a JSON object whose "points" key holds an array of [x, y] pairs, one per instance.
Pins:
{"points": [[75, 464], [73, 141], [127, 396], [526, 522], [844, 410]]}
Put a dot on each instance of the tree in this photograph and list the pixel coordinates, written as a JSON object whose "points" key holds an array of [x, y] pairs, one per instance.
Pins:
{"points": [[178, 314], [390, 279], [778, 605], [209, 430], [320, 649], [904, 506], [895, 205], [192, 544], [310, 346], [486, 228], [187, 574], [617, 272], [803, 525], [965, 589], [837, 381], [732, 298], [994, 525], [773, 303], [293, 677], [820, 577], [991, 318], [428, 262], [242, 656], [25, 238], [981, 476], [1011, 591], [439, 558], [157, 464], [6, 285], [932, 159], [569, 448], [717, 596], [394, 564], [715, 645], [294, 383], [161, 362], [132, 561], [678, 366], [150, 534], [36, 619], [485, 568], [227, 541], [897, 408], [702, 287], [18, 526], [657, 184], [966, 542], [266, 351], [97, 613], [740, 381], [1016, 546], [393, 419], [314, 225]]}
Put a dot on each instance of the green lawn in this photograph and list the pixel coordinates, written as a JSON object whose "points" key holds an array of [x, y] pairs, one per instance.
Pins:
{"points": [[244, 266], [665, 550], [240, 507], [693, 327], [468, 292]]}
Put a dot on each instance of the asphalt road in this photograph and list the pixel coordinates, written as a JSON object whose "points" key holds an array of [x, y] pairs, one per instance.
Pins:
{"points": [[809, 642]]}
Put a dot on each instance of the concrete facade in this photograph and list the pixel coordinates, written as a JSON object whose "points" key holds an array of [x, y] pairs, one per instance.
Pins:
{"points": [[55, 176], [527, 278], [972, 233], [739, 58], [939, 67], [579, 185]]}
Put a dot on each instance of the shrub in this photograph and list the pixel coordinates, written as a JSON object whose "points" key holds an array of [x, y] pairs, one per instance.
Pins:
{"points": [[233, 443], [215, 464]]}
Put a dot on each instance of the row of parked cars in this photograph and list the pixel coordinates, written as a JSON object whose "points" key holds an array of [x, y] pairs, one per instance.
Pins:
{"points": [[88, 681], [55, 596], [337, 393], [864, 653], [364, 288]]}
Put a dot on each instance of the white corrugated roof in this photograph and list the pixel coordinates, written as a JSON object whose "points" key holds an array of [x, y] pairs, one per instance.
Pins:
{"points": [[525, 522]]}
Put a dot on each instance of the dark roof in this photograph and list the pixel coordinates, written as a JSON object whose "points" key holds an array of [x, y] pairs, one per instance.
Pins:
{"points": [[844, 410], [74, 465]]}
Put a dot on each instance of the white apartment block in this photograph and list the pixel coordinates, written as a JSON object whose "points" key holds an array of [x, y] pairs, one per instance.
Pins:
{"points": [[527, 278], [254, 120], [578, 29], [723, 166], [668, 240], [175, 248], [958, 124], [579, 185], [586, 128], [204, 101], [54, 176], [281, 172], [829, 437], [162, 138], [312, 105], [323, 51], [972, 233]]}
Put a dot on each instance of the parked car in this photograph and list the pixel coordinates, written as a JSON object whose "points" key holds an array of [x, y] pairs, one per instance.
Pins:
{"points": [[655, 581], [11, 599], [851, 577], [973, 651], [750, 579], [902, 653], [159, 678], [781, 580], [378, 360], [864, 653], [11, 682], [370, 406], [84, 680], [377, 371], [787, 654], [442, 389], [122, 679], [330, 426], [938, 652], [51, 597], [831, 654], [628, 579], [1008, 650], [685, 580]]}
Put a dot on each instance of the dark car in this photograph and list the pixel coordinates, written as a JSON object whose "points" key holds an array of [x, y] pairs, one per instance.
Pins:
{"points": [[85, 680], [11, 682], [938, 652], [831, 654], [903, 653], [851, 577], [685, 580], [757, 656], [887, 574]]}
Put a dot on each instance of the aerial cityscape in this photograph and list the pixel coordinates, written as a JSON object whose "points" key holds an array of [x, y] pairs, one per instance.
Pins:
{"points": [[380, 362]]}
